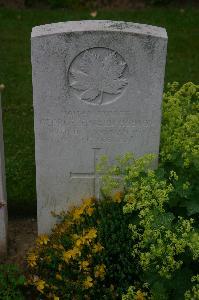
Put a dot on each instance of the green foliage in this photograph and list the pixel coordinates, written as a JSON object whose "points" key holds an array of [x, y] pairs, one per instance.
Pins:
{"points": [[95, 3], [64, 3], [180, 144], [193, 294], [87, 256], [165, 245], [11, 283]]}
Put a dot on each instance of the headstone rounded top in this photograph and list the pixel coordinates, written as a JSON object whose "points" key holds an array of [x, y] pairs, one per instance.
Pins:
{"points": [[98, 25]]}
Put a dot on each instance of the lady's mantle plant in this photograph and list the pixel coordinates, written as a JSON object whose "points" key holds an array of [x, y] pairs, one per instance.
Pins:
{"points": [[180, 145], [165, 246]]}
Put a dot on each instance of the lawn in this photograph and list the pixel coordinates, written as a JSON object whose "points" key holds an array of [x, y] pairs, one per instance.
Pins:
{"points": [[15, 72]]}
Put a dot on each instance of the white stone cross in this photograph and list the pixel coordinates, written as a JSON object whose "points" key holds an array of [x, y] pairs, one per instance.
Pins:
{"points": [[90, 175]]}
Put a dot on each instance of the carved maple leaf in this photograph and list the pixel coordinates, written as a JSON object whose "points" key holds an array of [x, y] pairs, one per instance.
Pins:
{"points": [[97, 75]]}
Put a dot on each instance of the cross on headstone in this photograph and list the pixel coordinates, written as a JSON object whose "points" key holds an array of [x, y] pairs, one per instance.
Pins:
{"points": [[90, 175]]}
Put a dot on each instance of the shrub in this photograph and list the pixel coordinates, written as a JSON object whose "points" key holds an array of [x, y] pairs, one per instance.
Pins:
{"points": [[165, 246], [87, 256], [180, 145], [11, 283]]}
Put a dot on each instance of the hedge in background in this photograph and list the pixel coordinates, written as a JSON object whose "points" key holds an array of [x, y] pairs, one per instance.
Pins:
{"points": [[96, 3]]}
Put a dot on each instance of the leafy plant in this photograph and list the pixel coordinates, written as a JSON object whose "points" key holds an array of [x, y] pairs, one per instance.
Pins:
{"points": [[87, 256], [165, 245], [11, 283], [193, 294], [180, 145]]}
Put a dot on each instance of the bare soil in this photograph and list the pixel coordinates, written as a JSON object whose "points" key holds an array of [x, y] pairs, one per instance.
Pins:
{"points": [[21, 237]]}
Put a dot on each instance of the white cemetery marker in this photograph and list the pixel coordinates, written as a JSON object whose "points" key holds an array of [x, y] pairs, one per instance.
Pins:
{"points": [[3, 202], [97, 89]]}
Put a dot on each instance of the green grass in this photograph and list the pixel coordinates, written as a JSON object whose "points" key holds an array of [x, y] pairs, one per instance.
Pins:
{"points": [[15, 73]]}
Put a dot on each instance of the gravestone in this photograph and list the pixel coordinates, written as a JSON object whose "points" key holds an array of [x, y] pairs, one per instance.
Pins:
{"points": [[3, 202], [97, 88]]}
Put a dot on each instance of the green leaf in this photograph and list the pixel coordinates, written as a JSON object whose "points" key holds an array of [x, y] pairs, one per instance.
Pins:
{"points": [[192, 206], [164, 219]]}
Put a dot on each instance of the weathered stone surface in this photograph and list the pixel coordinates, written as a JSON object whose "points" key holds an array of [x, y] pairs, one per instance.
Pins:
{"points": [[97, 88], [3, 202]]}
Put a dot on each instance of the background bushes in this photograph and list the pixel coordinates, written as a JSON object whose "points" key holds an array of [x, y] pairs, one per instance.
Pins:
{"points": [[88, 3]]}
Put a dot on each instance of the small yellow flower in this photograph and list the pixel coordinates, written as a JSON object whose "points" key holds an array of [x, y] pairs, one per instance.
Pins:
{"points": [[70, 254], [88, 283], [97, 248], [84, 265], [79, 242], [89, 211], [88, 202], [100, 271], [117, 197], [58, 276], [55, 297], [40, 285], [32, 260], [77, 212], [91, 234], [140, 295], [75, 236], [42, 240]]}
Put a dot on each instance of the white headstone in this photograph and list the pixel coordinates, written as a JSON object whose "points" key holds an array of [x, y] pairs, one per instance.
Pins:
{"points": [[3, 200], [97, 88]]}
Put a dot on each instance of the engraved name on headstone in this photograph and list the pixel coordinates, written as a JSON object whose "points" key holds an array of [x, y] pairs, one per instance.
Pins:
{"points": [[97, 88], [3, 202]]}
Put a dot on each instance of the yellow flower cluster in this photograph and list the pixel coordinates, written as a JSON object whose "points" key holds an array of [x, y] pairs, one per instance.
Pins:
{"points": [[97, 248], [79, 242], [86, 208], [83, 248], [63, 227], [88, 283], [117, 197], [100, 271], [140, 295], [84, 265], [32, 259], [42, 240], [70, 254]]}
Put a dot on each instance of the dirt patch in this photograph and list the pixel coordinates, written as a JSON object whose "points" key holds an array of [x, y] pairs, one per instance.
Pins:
{"points": [[21, 237]]}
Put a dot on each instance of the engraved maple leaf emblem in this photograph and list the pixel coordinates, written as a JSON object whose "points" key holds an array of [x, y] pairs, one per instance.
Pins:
{"points": [[97, 75]]}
